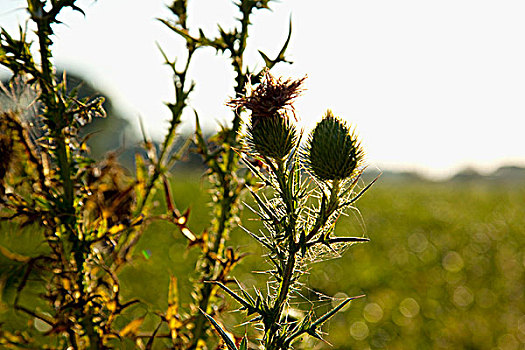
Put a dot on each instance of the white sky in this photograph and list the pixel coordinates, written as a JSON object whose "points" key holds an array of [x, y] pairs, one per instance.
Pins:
{"points": [[431, 86]]}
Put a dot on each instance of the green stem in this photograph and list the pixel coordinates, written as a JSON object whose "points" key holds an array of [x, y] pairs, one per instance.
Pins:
{"points": [[288, 269], [218, 244], [58, 121], [229, 197], [54, 109], [271, 333], [333, 203], [287, 197], [180, 104], [177, 109], [227, 187], [325, 213]]}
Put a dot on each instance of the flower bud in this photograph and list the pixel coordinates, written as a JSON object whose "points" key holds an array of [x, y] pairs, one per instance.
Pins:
{"points": [[270, 132], [332, 151], [272, 136]]}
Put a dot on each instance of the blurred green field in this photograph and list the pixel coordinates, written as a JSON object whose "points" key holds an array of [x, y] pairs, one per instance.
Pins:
{"points": [[444, 268]]}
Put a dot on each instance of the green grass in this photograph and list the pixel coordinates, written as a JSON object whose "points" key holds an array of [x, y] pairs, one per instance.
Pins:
{"points": [[444, 268]]}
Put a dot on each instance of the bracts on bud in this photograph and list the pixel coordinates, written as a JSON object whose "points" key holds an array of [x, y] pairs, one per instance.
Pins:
{"points": [[272, 136], [332, 151]]}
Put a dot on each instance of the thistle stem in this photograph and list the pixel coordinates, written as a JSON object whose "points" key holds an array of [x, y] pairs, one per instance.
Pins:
{"points": [[272, 335], [334, 196], [288, 269], [325, 213], [57, 118]]}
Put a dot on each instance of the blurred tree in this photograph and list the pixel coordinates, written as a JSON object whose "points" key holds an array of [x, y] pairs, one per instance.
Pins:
{"points": [[104, 134]]}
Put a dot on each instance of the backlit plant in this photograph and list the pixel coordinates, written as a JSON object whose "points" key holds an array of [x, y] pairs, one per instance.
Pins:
{"points": [[298, 212], [92, 214]]}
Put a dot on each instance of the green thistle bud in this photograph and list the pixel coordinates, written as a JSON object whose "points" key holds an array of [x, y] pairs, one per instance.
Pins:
{"points": [[332, 151], [272, 136]]}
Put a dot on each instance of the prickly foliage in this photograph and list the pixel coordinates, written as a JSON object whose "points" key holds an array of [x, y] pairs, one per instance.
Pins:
{"points": [[297, 232]]}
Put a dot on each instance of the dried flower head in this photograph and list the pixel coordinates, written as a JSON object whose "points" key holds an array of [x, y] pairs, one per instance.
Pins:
{"points": [[332, 151], [270, 133], [270, 96]]}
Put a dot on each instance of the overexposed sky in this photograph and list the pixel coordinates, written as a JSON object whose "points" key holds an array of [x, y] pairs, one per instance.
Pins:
{"points": [[431, 86]]}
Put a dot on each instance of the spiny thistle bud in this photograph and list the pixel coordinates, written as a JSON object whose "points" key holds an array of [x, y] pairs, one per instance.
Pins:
{"points": [[270, 132], [272, 136], [332, 151]]}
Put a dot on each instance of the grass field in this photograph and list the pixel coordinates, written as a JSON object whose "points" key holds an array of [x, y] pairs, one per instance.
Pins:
{"points": [[444, 268]]}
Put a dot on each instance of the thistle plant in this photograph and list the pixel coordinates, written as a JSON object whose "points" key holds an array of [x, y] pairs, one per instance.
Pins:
{"points": [[84, 210], [91, 214], [221, 158], [306, 188]]}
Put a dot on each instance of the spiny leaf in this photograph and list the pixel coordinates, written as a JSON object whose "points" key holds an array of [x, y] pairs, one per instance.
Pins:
{"points": [[166, 59], [267, 61], [225, 337], [178, 8], [245, 293], [255, 170], [280, 56], [180, 152], [201, 143], [312, 328], [258, 239], [244, 343], [263, 206], [181, 31], [332, 312], [76, 8], [247, 304], [356, 197]]}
